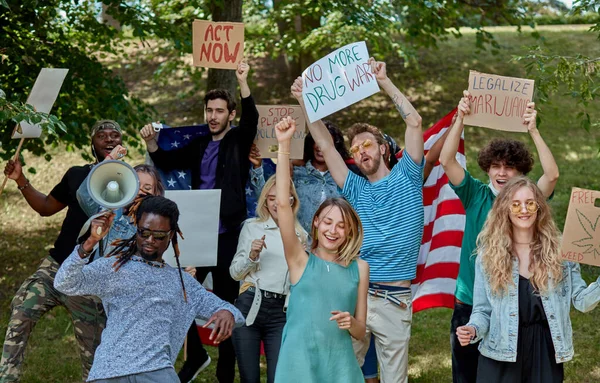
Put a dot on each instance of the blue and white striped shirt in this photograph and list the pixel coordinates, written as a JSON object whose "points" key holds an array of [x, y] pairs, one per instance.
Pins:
{"points": [[391, 211]]}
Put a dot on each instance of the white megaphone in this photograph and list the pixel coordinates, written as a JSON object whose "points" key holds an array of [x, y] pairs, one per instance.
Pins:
{"points": [[113, 184]]}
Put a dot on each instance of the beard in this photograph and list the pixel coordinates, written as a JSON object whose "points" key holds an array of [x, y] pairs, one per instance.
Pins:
{"points": [[367, 171], [220, 130], [154, 256]]}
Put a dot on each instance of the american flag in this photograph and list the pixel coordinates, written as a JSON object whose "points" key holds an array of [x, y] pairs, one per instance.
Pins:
{"points": [[439, 258], [171, 138]]}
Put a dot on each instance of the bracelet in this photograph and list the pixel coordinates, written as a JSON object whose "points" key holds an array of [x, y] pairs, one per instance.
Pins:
{"points": [[21, 188], [280, 152], [108, 156], [82, 253]]}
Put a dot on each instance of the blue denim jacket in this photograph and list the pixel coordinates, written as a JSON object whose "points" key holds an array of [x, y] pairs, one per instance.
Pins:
{"points": [[312, 187], [496, 318], [122, 227]]}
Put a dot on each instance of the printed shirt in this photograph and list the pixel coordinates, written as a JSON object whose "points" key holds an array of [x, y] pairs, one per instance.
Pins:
{"points": [[391, 211], [147, 317]]}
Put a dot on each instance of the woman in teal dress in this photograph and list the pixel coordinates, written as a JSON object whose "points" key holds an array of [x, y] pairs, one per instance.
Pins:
{"points": [[328, 295]]}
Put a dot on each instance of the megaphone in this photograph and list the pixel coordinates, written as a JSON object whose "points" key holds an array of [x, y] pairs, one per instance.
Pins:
{"points": [[113, 184]]}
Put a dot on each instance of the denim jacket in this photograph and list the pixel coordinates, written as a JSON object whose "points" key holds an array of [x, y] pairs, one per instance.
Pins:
{"points": [[496, 318], [122, 227], [312, 187]]}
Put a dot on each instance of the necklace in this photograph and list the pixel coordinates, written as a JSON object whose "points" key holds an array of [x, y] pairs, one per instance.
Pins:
{"points": [[158, 264], [523, 243]]}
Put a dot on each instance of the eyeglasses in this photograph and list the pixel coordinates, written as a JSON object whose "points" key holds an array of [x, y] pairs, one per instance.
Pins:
{"points": [[530, 205], [365, 144], [157, 235]]}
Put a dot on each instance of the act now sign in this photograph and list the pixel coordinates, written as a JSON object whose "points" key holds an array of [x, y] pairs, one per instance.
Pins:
{"points": [[217, 44], [338, 80]]}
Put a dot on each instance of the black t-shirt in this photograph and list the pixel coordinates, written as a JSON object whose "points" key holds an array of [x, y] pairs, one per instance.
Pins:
{"points": [[66, 192]]}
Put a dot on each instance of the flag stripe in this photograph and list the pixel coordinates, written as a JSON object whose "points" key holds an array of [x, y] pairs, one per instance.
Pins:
{"points": [[439, 256]]}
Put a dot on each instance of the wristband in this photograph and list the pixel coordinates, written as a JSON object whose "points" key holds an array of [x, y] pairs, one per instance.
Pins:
{"points": [[24, 186], [280, 152], [82, 253]]}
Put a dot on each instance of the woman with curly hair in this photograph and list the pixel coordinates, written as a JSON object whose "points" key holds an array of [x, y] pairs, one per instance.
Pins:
{"points": [[523, 291], [501, 160]]}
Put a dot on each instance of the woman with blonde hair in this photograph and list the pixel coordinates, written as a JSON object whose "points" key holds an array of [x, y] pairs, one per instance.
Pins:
{"points": [[523, 291], [328, 301], [260, 263]]}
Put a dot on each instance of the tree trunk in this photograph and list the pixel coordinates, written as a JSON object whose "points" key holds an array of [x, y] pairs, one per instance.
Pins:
{"points": [[224, 10]]}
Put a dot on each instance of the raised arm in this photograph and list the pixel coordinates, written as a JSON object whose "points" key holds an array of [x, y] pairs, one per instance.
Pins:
{"points": [[44, 205], [249, 118], [455, 172], [294, 252], [433, 155], [413, 138], [335, 163], [548, 180], [75, 276]]}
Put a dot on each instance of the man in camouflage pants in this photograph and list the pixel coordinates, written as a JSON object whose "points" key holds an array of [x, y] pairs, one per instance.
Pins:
{"points": [[37, 295]]}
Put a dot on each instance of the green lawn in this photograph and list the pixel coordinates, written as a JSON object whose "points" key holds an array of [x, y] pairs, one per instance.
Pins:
{"points": [[435, 89]]}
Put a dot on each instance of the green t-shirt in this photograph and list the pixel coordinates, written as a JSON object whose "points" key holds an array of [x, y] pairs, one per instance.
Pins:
{"points": [[477, 199]]}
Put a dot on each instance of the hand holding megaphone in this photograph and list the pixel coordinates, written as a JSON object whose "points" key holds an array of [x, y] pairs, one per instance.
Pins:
{"points": [[117, 153], [101, 225]]}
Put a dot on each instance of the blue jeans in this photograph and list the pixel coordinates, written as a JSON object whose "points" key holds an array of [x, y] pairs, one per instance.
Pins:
{"points": [[268, 328], [369, 368]]}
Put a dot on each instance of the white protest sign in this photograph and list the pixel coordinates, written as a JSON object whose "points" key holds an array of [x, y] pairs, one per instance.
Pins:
{"points": [[199, 223], [338, 80], [42, 97]]}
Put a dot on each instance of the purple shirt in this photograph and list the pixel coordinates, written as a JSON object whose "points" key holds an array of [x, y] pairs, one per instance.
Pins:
{"points": [[208, 171], [208, 166]]}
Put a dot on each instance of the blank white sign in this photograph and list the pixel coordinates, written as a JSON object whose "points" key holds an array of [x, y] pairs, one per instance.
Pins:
{"points": [[199, 222]]}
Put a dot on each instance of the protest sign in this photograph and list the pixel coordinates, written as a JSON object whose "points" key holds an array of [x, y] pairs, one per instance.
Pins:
{"points": [[42, 98], [581, 236], [217, 44], [199, 223], [338, 80], [269, 116], [498, 102]]}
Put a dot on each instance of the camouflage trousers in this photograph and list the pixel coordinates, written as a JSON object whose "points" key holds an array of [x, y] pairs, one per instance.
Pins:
{"points": [[37, 296]]}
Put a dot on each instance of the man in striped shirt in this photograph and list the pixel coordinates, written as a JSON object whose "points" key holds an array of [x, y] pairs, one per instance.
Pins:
{"points": [[391, 241]]}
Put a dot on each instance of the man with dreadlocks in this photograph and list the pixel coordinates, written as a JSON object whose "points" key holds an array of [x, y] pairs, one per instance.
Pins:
{"points": [[37, 296], [150, 305]]}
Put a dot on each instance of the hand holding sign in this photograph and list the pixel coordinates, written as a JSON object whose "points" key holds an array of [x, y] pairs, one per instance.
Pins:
{"points": [[242, 71], [378, 68], [464, 105], [297, 89], [529, 117]]}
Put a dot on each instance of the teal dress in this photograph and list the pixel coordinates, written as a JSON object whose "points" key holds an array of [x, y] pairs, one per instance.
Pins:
{"points": [[313, 348]]}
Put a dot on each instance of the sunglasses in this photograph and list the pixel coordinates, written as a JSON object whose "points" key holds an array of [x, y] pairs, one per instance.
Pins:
{"points": [[365, 144], [157, 235], [531, 206]]}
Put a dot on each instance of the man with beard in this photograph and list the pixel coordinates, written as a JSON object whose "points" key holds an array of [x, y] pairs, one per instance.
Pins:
{"points": [[217, 161], [150, 305], [37, 294], [390, 206]]}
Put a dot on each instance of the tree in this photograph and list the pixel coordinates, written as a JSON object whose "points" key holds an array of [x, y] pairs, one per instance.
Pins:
{"points": [[576, 76]]}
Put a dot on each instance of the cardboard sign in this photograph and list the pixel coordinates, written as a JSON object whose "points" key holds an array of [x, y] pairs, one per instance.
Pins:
{"points": [[269, 116], [581, 236], [199, 222], [338, 80], [42, 98], [217, 45], [498, 102]]}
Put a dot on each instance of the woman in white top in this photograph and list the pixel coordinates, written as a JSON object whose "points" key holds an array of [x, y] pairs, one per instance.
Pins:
{"points": [[260, 263]]}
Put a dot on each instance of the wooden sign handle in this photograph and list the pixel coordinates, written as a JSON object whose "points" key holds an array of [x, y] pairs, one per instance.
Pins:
{"points": [[16, 157]]}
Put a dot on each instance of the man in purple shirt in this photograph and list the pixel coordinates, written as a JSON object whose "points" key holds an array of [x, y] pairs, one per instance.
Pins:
{"points": [[218, 161]]}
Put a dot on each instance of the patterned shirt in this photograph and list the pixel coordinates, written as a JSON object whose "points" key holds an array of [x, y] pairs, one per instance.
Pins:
{"points": [[148, 318], [391, 211]]}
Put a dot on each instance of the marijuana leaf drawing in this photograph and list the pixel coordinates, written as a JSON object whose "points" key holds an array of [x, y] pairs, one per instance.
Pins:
{"points": [[592, 242]]}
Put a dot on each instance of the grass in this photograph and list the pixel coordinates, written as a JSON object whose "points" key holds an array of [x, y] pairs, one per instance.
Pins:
{"points": [[434, 89]]}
